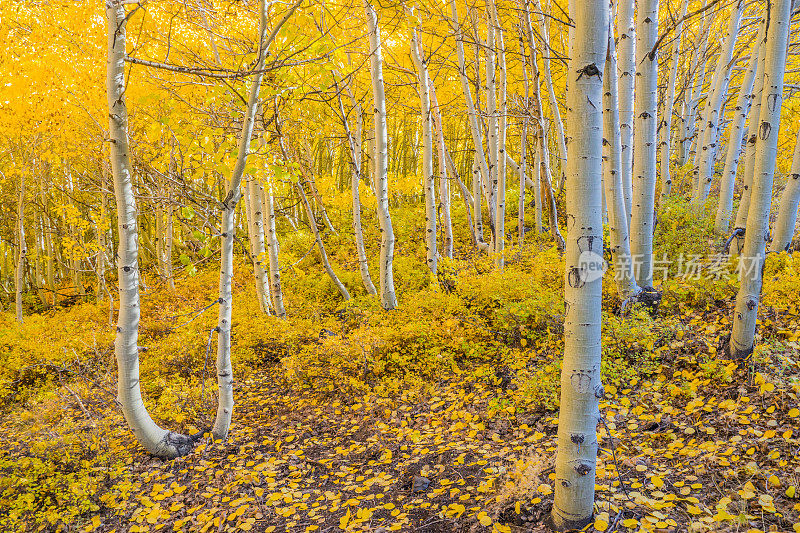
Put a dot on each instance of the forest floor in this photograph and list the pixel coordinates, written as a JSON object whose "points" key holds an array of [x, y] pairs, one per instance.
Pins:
{"points": [[438, 417]]}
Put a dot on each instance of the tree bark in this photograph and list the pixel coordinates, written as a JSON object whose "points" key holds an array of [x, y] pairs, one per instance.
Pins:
{"points": [[626, 69], [783, 231], [709, 132], [645, 139], [581, 388], [156, 440], [612, 179], [388, 298], [752, 259], [743, 103], [354, 145], [274, 249], [666, 123], [428, 177], [224, 367]]}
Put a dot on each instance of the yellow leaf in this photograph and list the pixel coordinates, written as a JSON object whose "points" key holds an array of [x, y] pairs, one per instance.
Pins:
{"points": [[484, 519], [344, 520], [791, 492], [794, 412], [600, 524]]}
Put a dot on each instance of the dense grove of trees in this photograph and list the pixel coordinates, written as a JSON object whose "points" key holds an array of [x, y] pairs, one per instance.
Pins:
{"points": [[226, 128]]}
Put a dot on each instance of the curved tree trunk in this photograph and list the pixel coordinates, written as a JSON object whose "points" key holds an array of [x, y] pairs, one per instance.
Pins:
{"points": [[156, 440], [444, 180], [752, 259], [551, 95], [312, 221], [388, 298], [224, 367], [576, 460]]}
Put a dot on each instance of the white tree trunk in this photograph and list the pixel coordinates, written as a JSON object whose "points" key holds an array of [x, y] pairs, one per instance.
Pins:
{"points": [[354, 145], [695, 78], [734, 151], [490, 185], [752, 258], [444, 181], [19, 278], [697, 88], [388, 298], [224, 367], [644, 164], [783, 231], [256, 230], [626, 69], [551, 95], [753, 121], [581, 388], [709, 132], [156, 440], [428, 177], [612, 179], [500, 188], [482, 166], [274, 250], [666, 123]]}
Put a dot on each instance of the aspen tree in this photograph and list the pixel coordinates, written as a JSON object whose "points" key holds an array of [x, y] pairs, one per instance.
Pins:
{"points": [[544, 36], [612, 178], [354, 145], [753, 254], [444, 181], [388, 298], [493, 125], [224, 367], [576, 459], [500, 187], [256, 230], [744, 100], [753, 121], [156, 440], [481, 167], [708, 138], [273, 248], [645, 138], [783, 231], [19, 278], [428, 177], [626, 69], [666, 123], [695, 77]]}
